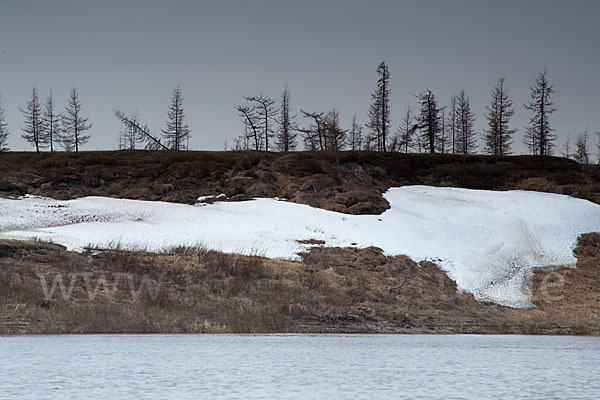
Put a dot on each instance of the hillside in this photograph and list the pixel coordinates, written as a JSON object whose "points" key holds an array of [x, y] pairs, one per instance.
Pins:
{"points": [[329, 290], [487, 241], [354, 186]]}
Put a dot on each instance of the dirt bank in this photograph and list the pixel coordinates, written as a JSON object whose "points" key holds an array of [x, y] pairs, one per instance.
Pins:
{"points": [[332, 290], [354, 185]]}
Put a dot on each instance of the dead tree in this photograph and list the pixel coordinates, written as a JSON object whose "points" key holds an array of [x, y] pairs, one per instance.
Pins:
{"points": [[355, 133], [266, 114], [133, 125], [406, 130], [251, 127], [314, 136]]}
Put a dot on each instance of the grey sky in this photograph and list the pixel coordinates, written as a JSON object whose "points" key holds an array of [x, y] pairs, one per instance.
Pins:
{"points": [[131, 54]]}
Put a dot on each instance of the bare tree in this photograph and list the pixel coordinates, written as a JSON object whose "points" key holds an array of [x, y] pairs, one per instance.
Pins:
{"points": [[379, 111], [74, 124], [251, 126], [539, 136], [128, 136], [452, 123], [139, 132], [314, 137], [406, 130], [498, 135], [444, 139], [131, 135], [467, 141], [582, 153], [33, 128], [336, 136], [51, 122], [177, 134], [429, 120], [566, 152], [372, 140], [3, 131], [355, 135], [286, 137], [265, 115], [243, 141]]}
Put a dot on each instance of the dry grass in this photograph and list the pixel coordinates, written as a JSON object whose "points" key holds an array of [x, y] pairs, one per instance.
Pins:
{"points": [[331, 290]]}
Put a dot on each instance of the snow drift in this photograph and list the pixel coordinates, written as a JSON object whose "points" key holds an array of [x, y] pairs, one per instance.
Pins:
{"points": [[487, 241]]}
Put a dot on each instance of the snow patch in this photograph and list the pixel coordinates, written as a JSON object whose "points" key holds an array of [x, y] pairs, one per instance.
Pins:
{"points": [[213, 197], [487, 241]]}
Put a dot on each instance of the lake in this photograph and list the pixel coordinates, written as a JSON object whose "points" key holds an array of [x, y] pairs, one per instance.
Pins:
{"points": [[299, 367]]}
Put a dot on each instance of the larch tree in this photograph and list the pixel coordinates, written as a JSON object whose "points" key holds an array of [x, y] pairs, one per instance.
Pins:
{"points": [[51, 122], [286, 136], [452, 123], [355, 138], [33, 127], [252, 132], [334, 134], [582, 152], [314, 135], [467, 141], [3, 130], [444, 138], [406, 130], [265, 116], [539, 136], [74, 124], [429, 120], [243, 141], [498, 134], [132, 134], [379, 112], [177, 134], [566, 151], [134, 131]]}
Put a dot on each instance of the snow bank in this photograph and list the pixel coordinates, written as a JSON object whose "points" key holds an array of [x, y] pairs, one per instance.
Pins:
{"points": [[487, 241]]}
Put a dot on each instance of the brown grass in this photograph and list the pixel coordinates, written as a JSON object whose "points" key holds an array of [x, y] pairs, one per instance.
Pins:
{"points": [[330, 290]]}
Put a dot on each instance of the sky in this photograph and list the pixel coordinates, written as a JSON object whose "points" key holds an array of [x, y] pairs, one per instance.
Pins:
{"points": [[130, 55]]}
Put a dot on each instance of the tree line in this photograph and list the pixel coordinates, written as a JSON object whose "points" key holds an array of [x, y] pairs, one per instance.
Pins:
{"points": [[45, 128], [271, 125], [176, 136], [433, 129]]}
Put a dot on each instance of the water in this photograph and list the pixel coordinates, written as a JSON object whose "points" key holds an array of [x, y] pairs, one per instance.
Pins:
{"points": [[298, 367]]}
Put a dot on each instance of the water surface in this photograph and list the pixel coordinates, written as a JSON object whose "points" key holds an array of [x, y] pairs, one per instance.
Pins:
{"points": [[299, 367]]}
